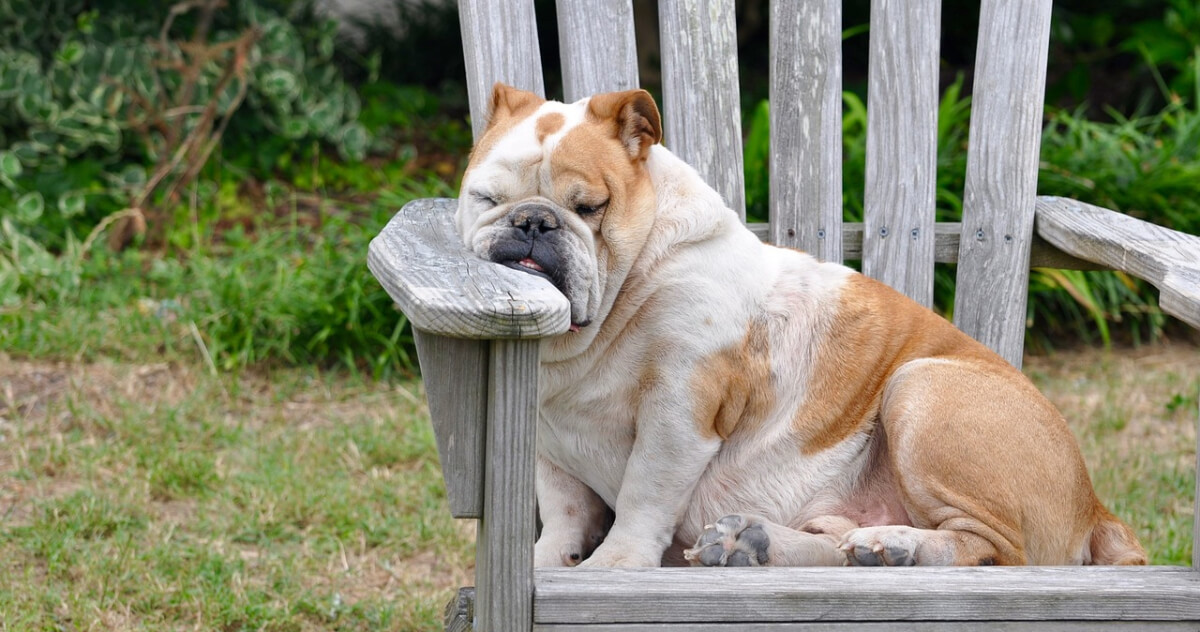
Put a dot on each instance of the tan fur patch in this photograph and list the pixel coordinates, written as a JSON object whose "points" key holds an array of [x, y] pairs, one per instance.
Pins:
{"points": [[874, 330], [732, 387], [547, 124]]}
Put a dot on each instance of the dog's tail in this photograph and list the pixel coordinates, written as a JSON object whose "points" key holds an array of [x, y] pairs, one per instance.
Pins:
{"points": [[1113, 542]]}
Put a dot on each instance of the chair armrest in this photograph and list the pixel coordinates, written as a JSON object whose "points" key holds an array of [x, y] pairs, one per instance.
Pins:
{"points": [[444, 288], [1168, 259]]}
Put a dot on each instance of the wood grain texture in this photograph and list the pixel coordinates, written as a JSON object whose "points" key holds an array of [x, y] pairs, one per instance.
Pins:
{"points": [[901, 170], [1002, 169], [504, 541], [500, 43], [890, 626], [806, 126], [459, 615], [1168, 259], [458, 412], [702, 115], [597, 46], [945, 247], [765, 595], [445, 289]]}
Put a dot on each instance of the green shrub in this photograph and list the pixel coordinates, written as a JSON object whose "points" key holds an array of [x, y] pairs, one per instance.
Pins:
{"points": [[98, 112]]}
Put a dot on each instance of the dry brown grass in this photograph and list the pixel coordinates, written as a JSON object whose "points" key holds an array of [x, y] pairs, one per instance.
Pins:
{"points": [[313, 500]]}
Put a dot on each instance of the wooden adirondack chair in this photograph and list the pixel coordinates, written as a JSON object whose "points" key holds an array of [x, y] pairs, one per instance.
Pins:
{"points": [[477, 325]]}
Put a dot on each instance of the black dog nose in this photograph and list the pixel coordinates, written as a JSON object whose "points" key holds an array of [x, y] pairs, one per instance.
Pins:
{"points": [[533, 219]]}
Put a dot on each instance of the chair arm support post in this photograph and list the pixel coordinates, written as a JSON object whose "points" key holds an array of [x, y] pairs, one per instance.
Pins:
{"points": [[507, 528]]}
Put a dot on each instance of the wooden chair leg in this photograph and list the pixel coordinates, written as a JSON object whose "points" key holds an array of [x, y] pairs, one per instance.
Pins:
{"points": [[504, 546]]}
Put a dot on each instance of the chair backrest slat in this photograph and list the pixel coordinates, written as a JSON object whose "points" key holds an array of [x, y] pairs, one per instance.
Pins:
{"points": [[596, 43], [806, 126], [1002, 170], [509, 53], [701, 100], [901, 170]]}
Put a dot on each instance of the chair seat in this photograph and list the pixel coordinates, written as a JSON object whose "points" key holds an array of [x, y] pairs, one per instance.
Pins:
{"points": [[736, 598]]}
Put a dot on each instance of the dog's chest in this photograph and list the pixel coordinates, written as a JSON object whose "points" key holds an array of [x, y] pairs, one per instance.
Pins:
{"points": [[588, 429]]}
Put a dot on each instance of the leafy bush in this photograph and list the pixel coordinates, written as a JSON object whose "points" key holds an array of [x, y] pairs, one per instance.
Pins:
{"points": [[120, 106], [287, 293]]}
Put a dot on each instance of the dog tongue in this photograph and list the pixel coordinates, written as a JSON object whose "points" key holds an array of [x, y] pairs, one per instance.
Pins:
{"points": [[531, 264]]}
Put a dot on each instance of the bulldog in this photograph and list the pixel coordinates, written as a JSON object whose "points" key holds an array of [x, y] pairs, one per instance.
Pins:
{"points": [[722, 402]]}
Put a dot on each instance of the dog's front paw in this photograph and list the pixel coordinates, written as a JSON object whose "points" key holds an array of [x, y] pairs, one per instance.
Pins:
{"points": [[734, 540], [552, 553], [881, 546], [612, 554]]}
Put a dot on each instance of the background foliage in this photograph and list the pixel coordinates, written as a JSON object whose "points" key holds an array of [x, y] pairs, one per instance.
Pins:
{"points": [[248, 154]]}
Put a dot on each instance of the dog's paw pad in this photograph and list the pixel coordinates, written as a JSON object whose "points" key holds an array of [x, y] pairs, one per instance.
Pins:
{"points": [[879, 546], [731, 541]]}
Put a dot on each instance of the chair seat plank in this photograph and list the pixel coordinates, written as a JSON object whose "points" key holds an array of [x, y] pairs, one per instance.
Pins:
{"points": [[890, 626], [445, 289], [766, 595], [1168, 259]]}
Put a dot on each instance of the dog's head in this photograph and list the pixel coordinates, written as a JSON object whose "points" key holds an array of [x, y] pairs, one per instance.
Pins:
{"points": [[561, 191]]}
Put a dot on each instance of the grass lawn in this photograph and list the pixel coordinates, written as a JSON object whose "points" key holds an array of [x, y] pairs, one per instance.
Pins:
{"points": [[141, 496]]}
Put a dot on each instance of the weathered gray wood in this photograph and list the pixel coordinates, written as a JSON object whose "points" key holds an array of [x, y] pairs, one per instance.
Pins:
{"points": [[945, 248], [500, 43], [901, 170], [806, 126], [458, 413], [445, 289], [504, 542], [763, 595], [459, 615], [1168, 259], [1002, 169], [702, 114], [596, 44], [890, 626]]}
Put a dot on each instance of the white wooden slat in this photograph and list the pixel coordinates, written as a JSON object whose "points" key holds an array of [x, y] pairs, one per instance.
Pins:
{"points": [[597, 46], [1168, 259], [445, 289], [506, 531], [766, 595], [702, 114], [806, 126], [891, 626], [1002, 168], [457, 413], [500, 43], [901, 169]]}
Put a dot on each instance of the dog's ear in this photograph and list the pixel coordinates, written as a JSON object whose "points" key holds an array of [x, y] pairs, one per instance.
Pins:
{"points": [[635, 118], [507, 101]]}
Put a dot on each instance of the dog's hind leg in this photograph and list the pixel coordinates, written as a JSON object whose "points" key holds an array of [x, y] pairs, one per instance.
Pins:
{"points": [[987, 470], [745, 540]]}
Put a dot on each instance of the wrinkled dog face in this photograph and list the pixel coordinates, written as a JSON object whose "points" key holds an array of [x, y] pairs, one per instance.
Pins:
{"points": [[561, 191]]}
